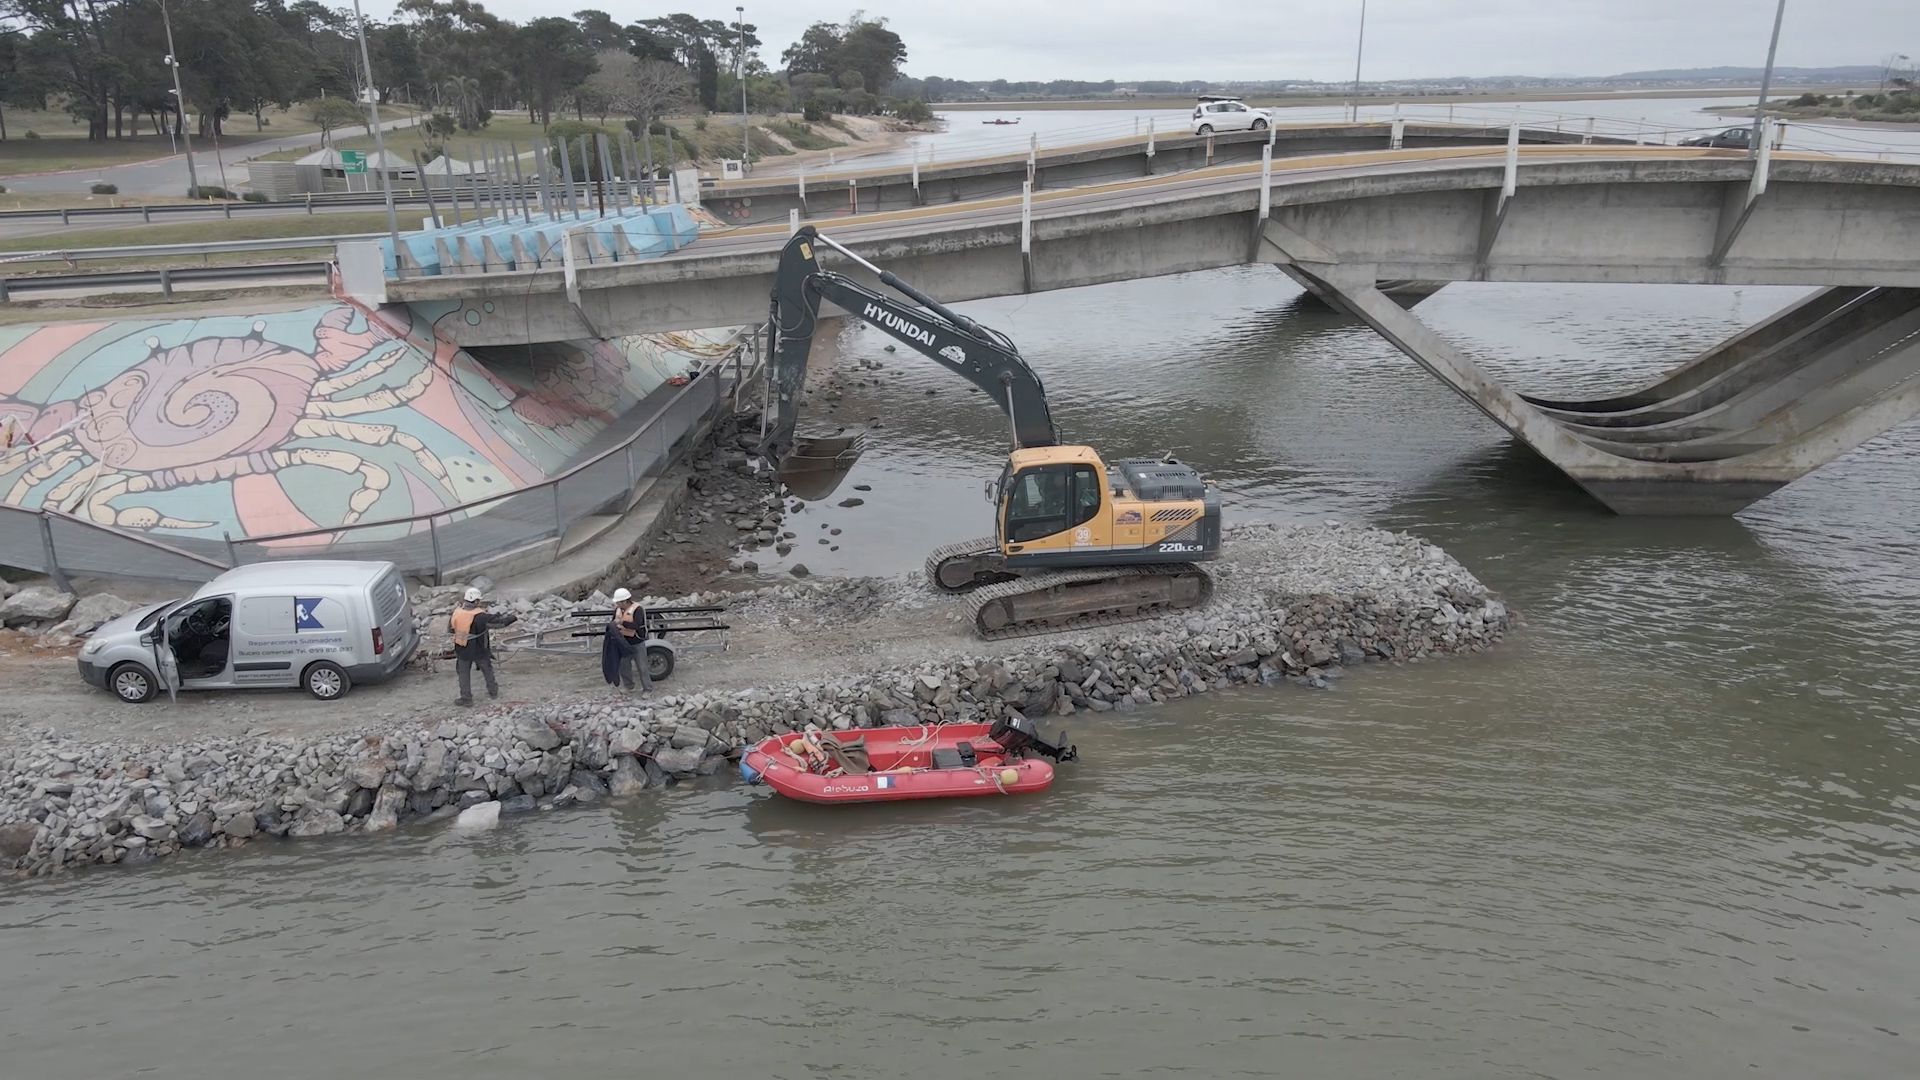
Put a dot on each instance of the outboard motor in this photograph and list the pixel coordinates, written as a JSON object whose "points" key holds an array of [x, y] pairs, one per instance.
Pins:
{"points": [[1016, 733]]}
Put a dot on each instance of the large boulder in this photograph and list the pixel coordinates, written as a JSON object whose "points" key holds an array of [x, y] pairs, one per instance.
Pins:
{"points": [[315, 821], [680, 761], [37, 604], [629, 777], [386, 809], [91, 611], [17, 839], [7, 588], [535, 733]]}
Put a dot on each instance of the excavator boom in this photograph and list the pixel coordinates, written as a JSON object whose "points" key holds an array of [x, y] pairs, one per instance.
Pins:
{"points": [[982, 356]]}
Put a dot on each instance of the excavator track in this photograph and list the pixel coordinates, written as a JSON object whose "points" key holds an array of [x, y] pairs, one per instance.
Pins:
{"points": [[1055, 601], [984, 555]]}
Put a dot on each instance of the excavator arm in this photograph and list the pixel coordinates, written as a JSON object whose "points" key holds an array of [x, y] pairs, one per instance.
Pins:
{"points": [[982, 356]]}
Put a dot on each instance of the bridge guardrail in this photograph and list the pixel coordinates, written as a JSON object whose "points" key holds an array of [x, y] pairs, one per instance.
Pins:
{"points": [[432, 545], [166, 279]]}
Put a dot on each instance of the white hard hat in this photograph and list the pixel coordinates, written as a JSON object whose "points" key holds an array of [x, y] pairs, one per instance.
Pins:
{"points": [[621, 596], [472, 595]]}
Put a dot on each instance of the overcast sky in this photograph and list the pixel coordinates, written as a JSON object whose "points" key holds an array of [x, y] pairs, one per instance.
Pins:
{"points": [[1314, 39]]}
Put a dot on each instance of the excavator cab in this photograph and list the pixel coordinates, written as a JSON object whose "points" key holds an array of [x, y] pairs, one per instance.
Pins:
{"points": [[1064, 506]]}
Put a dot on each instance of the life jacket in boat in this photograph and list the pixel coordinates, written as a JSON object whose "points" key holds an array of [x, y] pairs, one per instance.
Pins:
{"points": [[461, 623]]}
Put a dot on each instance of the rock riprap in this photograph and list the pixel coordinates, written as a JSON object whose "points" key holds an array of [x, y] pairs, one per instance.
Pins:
{"points": [[1291, 605]]}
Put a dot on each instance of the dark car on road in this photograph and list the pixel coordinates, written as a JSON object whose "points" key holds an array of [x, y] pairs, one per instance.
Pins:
{"points": [[1731, 139]]}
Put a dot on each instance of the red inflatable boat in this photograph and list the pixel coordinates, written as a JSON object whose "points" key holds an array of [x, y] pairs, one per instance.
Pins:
{"points": [[922, 762]]}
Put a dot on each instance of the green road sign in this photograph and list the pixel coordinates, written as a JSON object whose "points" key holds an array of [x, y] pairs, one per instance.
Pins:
{"points": [[353, 161]]}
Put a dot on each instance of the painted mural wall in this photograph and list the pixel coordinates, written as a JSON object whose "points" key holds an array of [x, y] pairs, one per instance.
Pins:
{"points": [[323, 416]]}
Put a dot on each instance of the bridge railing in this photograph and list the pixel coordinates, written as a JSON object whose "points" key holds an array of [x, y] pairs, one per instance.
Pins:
{"points": [[433, 545]]}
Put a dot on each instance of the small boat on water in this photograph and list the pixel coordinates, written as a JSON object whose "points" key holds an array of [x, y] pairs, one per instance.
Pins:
{"points": [[997, 122], [926, 761]]}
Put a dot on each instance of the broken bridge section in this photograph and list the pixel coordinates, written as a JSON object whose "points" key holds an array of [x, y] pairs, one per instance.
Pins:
{"points": [[1735, 424]]}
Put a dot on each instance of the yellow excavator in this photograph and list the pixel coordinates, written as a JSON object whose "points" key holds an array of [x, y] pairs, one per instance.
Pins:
{"points": [[1078, 541]]}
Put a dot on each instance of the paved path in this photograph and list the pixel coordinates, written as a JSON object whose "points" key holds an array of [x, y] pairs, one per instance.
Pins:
{"points": [[168, 175]]}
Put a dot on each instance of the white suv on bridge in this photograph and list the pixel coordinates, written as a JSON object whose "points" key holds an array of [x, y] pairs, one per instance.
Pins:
{"points": [[1226, 114]]}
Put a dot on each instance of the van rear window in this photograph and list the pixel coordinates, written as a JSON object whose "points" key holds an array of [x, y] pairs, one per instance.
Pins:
{"points": [[389, 596]]}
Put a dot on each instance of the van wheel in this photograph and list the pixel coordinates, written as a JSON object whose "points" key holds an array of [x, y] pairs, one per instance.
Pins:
{"points": [[326, 680], [1259, 125], [132, 683], [659, 662], [1205, 129]]}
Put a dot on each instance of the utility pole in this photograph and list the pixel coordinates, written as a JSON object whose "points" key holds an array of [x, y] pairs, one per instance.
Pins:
{"points": [[1766, 83], [180, 103], [740, 71], [380, 142], [1359, 51]]}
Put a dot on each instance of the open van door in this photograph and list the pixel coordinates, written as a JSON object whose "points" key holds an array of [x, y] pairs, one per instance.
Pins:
{"points": [[165, 667]]}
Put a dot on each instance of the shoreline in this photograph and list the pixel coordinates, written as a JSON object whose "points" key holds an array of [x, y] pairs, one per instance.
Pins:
{"points": [[1799, 116], [1293, 606]]}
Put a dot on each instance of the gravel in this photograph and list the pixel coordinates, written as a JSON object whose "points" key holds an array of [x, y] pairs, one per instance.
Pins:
{"points": [[1291, 605]]}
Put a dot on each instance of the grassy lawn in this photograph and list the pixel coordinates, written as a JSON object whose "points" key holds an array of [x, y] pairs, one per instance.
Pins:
{"points": [[261, 227]]}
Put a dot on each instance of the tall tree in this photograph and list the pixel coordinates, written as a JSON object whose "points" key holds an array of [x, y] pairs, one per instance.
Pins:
{"points": [[641, 89], [706, 76], [860, 57], [72, 36], [599, 30], [552, 58]]}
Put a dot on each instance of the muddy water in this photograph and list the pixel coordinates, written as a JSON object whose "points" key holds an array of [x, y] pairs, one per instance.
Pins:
{"points": [[1671, 830]]}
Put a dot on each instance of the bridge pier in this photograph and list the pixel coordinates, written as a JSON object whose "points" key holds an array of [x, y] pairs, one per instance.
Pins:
{"points": [[1716, 434]]}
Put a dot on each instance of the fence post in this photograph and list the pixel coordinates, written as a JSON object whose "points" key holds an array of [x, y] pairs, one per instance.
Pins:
{"points": [[63, 216], [433, 537], [1509, 184], [166, 283], [227, 538], [3, 290], [1266, 181], [53, 560], [1026, 233], [559, 527], [146, 214], [793, 221]]}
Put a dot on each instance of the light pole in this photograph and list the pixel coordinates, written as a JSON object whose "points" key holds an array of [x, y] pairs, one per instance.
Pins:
{"points": [[180, 104], [379, 141], [1766, 83], [1359, 51], [740, 72]]}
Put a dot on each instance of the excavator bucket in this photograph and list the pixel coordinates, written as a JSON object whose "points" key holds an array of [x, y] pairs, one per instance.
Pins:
{"points": [[817, 464]]}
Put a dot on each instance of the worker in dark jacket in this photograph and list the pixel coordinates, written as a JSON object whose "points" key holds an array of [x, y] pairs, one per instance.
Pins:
{"points": [[623, 654], [472, 648]]}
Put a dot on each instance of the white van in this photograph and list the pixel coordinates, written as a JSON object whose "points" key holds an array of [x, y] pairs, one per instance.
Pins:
{"points": [[321, 624]]}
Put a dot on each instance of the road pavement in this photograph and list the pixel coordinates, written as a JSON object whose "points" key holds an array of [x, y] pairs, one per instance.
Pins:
{"points": [[168, 175]]}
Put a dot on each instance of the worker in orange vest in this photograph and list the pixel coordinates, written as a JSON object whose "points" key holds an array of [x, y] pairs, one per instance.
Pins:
{"points": [[471, 647]]}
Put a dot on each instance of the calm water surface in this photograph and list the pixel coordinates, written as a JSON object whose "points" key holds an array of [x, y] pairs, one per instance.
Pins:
{"points": [[1669, 830]]}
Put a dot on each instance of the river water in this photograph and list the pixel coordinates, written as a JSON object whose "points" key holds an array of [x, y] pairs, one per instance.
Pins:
{"points": [[1668, 830]]}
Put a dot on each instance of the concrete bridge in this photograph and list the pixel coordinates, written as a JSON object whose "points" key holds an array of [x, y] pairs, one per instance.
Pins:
{"points": [[1722, 431]]}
